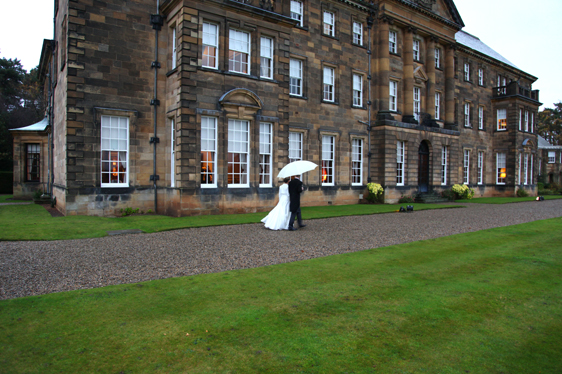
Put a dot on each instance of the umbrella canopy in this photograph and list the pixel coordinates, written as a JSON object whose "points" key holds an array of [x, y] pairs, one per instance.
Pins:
{"points": [[296, 168]]}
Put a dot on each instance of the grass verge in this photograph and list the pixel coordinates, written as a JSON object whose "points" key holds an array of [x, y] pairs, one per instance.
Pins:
{"points": [[507, 200], [8, 199], [33, 222], [483, 302]]}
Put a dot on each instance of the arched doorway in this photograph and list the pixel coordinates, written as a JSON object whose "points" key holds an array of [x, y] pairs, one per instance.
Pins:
{"points": [[423, 167]]}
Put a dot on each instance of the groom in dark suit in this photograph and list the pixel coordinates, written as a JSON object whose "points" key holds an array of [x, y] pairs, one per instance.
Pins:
{"points": [[295, 189]]}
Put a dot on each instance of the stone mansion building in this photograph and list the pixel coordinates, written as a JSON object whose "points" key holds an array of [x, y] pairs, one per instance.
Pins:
{"points": [[193, 107]]}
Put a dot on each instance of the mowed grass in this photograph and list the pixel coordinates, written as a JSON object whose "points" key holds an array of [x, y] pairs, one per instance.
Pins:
{"points": [[483, 302], [507, 200], [33, 222]]}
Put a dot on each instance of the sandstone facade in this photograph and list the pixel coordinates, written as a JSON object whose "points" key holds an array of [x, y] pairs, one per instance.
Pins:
{"points": [[194, 107]]}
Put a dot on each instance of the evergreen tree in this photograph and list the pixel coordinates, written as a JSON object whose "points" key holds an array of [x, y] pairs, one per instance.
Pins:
{"points": [[550, 124]]}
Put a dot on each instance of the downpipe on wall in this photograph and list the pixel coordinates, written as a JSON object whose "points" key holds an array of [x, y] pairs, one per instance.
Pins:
{"points": [[157, 21]]}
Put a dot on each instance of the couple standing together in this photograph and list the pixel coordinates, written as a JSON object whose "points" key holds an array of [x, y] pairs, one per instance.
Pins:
{"points": [[282, 217]]}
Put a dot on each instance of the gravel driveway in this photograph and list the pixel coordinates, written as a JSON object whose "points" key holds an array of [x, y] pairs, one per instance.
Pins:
{"points": [[34, 268]]}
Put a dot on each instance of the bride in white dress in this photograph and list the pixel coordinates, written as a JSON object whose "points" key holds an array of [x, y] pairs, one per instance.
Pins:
{"points": [[278, 218]]}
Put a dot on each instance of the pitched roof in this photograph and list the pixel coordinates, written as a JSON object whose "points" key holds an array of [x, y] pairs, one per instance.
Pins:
{"points": [[472, 42], [544, 144]]}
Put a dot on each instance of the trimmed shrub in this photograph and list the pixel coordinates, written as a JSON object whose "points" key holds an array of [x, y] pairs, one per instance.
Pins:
{"points": [[376, 193], [462, 191], [522, 193]]}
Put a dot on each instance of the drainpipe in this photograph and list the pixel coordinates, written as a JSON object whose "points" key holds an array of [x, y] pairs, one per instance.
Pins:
{"points": [[157, 21], [369, 102], [50, 110]]}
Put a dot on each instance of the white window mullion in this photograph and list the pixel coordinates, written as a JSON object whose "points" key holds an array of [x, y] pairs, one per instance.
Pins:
{"points": [[400, 152], [114, 151], [266, 135], [328, 150], [444, 161], [466, 166], [208, 152], [266, 58], [357, 162]]}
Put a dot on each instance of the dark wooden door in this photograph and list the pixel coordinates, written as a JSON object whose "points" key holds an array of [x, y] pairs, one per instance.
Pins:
{"points": [[423, 167]]}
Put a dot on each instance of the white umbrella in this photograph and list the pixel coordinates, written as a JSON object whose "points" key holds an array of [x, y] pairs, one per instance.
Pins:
{"points": [[296, 168]]}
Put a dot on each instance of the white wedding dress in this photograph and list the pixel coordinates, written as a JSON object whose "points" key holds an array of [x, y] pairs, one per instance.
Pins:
{"points": [[278, 218]]}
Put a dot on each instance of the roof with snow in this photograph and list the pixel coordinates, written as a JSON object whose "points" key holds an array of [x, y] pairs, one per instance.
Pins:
{"points": [[476, 44]]}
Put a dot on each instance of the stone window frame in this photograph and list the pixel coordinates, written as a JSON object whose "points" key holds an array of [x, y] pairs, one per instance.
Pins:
{"points": [[334, 84], [481, 77], [438, 96], [438, 58], [467, 117], [525, 168], [217, 41], [332, 167], [357, 35], [390, 96], [418, 42], [329, 9], [417, 109], [480, 164], [132, 116], [272, 57], [481, 117], [353, 90], [302, 71], [393, 44], [35, 162], [466, 165], [501, 168], [444, 164], [214, 162], [109, 161], [174, 46], [291, 8], [467, 71], [501, 126], [260, 154], [236, 31], [248, 153], [363, 139], [401, 162]]}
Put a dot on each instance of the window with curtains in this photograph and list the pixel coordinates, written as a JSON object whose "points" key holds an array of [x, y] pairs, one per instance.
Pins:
{"points": [[357, 90], [392, 42], [239, 51], [210, 45], [266, 136], [266, 57], [328, 87], [356, 162], [297, 11], [114, 151], [32, 162], [357, 33], [502, 119], [208, 152], [328, 150], [238, 153], [501, 168], [329, 24]]}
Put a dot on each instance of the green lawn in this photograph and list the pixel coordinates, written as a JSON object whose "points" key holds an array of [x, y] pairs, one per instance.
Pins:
{"points": [[8, 199], [33, 222], [507, 200], [484, 302]]}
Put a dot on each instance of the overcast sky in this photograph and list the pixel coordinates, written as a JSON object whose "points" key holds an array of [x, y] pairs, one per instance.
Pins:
{"points": [[521, 31]]}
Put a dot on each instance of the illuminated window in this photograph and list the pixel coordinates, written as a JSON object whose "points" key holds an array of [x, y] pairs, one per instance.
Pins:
{"points": [[502, 119], [501, 168], [238, 153], [210, 45], [208, 152], [114, 151], [328, 150]]}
